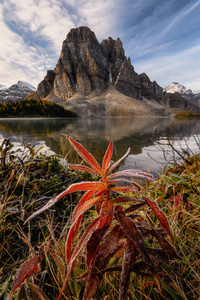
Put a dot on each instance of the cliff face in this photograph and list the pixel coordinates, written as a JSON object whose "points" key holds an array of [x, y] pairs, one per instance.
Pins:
{"points": [[90, 70], [175, 100], [87, 66]]}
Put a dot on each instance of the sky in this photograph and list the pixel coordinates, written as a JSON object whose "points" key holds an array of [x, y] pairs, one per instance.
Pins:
{"points": [[162, 37]]}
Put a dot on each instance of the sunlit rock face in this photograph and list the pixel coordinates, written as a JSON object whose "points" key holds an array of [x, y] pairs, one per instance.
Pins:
{"points": [[86, 66]]}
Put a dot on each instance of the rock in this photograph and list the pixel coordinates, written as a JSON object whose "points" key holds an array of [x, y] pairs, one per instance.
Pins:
{"points": [[87, 68], [150, 90], [175, 100]]}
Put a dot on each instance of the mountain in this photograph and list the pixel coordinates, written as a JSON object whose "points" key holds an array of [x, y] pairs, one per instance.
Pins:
{"points": [[15, 92], [176, 87], [95, 78], [2, 87]]}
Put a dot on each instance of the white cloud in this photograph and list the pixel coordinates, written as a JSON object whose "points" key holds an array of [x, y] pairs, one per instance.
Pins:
{"points": [[183, 67], [32, 32]]}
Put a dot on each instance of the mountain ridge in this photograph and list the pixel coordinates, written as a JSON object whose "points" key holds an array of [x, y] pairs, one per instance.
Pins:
{"points": [[176, 87], [16, 92], [86, 68], [88, 71]]}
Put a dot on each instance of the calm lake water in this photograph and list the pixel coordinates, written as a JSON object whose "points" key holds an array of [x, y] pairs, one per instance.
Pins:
{"points": [[95, 135]]}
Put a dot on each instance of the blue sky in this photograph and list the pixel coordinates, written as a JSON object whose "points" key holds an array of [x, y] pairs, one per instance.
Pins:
{"points": [[162, 37]]}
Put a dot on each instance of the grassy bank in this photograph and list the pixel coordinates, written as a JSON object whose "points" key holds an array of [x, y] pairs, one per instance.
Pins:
{"points": [[29, 181]]}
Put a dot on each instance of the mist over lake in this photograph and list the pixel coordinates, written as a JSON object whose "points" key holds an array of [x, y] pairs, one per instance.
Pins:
{"points": [[95, 134]]}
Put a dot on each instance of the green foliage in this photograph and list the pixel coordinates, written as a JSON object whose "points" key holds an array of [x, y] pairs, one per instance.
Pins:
{"points": [[34, 108]]}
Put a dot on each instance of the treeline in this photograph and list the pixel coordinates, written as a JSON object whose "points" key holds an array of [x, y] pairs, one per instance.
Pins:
{"points": [[186, 115], [34, 108]]}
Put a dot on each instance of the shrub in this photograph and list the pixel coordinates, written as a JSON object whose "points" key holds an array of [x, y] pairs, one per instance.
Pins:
{"points": [[116, 229]]}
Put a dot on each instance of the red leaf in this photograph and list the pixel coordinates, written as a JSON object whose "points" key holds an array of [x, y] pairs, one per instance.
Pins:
{"points": [[87, 205], [107, 211], [126, 199], [82, 186], [84, 198], [118, 162], [74, 228], [100, 261], [165, 244], [107, 157], [133, 173], [134, 234], [127, 266], [82, 243], [72, 233], [82, 168], [26, 270], [134, 207], [159, 214], [125, 180], [88, 157], [121, 189]]}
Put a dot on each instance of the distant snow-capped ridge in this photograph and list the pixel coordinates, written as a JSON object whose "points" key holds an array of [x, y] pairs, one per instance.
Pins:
{"points": [[2, 87], [176, 87], [16, 92], [24, 84]]}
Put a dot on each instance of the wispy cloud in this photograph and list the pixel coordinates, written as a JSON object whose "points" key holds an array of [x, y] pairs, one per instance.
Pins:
{"points": [[181, 67], [156, 34]]}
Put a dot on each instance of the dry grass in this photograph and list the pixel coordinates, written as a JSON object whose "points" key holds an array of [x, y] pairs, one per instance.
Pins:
{"points": [[177, 191]]}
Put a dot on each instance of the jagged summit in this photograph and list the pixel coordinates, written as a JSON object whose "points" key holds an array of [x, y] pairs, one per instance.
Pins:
{"points": [[176, 87], [90, 75], [87, 66], [25, 85], [82, 34]]}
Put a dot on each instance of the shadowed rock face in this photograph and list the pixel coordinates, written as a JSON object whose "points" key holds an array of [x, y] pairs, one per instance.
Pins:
{"points": [[87, 66], [175, 100]]}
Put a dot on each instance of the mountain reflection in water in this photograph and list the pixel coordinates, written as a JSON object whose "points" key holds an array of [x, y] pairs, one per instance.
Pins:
{"points": [[95, 134]]}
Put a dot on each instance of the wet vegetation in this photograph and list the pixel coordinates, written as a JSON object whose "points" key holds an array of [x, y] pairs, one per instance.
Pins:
{"points": [[33, 108], [120, 250]]}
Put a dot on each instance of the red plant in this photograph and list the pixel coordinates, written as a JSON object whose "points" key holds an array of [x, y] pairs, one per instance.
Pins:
{"points": [[27, 269], [103, 237]]}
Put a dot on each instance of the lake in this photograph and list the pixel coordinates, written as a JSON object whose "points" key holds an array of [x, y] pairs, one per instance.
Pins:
{"points": [[95, 134]]}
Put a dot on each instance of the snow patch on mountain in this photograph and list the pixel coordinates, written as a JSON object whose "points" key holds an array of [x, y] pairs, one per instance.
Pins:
{"points": [[15, 92], [24, 84], [2, 87], [176, 87]]}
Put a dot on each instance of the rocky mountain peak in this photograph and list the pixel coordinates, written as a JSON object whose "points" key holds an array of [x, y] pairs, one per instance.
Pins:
{"points": [[187, 94], [15, 92], [86, 66], [176, 87], [81, 35]]}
